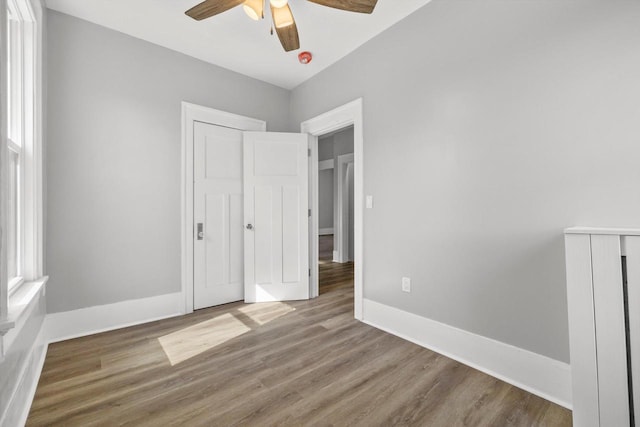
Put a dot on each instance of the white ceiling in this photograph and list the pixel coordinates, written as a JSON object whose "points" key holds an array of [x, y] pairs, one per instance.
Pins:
{"points": [[231, 40]]}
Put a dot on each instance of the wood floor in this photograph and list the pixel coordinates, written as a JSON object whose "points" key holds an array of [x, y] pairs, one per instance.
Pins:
{"points": [[288, 364], [325, 246]]}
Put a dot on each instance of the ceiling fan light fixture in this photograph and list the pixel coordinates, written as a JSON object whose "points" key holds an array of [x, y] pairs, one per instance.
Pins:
{"points": [[253, 9], [279, 3], [282, 16]]}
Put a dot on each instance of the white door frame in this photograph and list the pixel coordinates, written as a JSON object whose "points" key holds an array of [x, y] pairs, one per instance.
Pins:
{"points": [[336, 119], [341, 226], [195, 113]]}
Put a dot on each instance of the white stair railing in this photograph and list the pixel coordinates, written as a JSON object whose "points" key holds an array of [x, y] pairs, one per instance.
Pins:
{"points": [[603, 290]]}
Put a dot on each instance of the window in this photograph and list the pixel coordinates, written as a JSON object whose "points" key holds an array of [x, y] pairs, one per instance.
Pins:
{"points": [[23, 202]]}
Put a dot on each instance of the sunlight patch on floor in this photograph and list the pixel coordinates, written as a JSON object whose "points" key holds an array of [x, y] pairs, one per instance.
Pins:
{"points": [[186, 343], [194, 340], [265, 312]]}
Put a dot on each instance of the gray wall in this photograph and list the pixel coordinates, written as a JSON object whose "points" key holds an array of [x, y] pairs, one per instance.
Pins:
{"points": [[325, 198], [342, 144], [489, 127], [325, 184], [113, 158], [330, 147], [325, 148]]}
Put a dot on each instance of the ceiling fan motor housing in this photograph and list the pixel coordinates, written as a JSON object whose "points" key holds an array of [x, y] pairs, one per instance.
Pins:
{"points": [[305, 57]]}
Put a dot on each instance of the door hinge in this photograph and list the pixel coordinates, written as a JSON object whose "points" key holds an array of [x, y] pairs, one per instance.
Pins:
{"points": [[309, 212], [309, 272], [309, 152]]}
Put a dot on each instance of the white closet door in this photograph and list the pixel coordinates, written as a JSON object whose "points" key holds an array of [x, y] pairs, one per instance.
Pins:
{"points": [[276, 216], [218, 246]]}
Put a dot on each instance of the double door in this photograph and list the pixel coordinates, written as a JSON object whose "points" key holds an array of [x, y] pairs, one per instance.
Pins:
{"points": [[250, 215]]}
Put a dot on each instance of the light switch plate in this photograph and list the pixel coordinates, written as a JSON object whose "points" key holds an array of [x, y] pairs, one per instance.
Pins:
{"points": [[369, 202], [406, 284]]}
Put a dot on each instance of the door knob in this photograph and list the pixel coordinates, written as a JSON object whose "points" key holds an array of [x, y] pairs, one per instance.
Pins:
{"points": [[249, 227]]}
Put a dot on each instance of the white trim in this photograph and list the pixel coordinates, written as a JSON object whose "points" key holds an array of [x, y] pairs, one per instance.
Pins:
{"points": [[22, 398], [33, 232], [28, 132], [325, 231], [14, 147], [196, 113], [22, 302], [4, 154], [14, 284], [339, 118], [603, 230], [102, 318], [325, 164], [314, 218], [342, 201], [335, 256], [23, 344], [535, 373]]}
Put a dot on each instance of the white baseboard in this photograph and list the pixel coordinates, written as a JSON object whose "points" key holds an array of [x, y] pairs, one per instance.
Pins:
{"points": [[325, 231], [535, 373], [335, 256], [102, 318]]}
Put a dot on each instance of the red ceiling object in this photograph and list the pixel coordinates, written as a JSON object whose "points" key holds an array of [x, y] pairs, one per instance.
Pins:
{"points": [[305, 57]]}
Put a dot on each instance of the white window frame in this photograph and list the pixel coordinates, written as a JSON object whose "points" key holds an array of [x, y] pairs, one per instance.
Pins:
{"points": [[22, 133], [15, 124], [15, 222]]}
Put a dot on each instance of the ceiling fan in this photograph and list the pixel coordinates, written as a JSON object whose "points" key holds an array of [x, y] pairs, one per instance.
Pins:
{"points": [[281, 14]]}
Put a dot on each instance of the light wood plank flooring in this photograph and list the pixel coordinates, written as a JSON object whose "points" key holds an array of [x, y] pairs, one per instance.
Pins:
{"points": [[289, 364]]}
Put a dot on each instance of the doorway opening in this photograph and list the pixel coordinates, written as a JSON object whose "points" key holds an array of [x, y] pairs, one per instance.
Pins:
{"points": [[348, 116], [336, 211]]}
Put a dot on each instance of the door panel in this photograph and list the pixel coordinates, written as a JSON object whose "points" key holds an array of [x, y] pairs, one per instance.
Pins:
{"points": [[290, 234], [276, 158], [218, 199], [263, 235], [236, 241], [276, 203], [214, 245]]}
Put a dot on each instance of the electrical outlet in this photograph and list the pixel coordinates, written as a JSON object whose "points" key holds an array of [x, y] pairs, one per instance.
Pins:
{"points": [[406, 284], [369, 202]]}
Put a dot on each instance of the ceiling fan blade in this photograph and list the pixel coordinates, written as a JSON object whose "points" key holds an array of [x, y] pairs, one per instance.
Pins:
{"points": [[210, 8], [360, 6], [288, 35]]}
